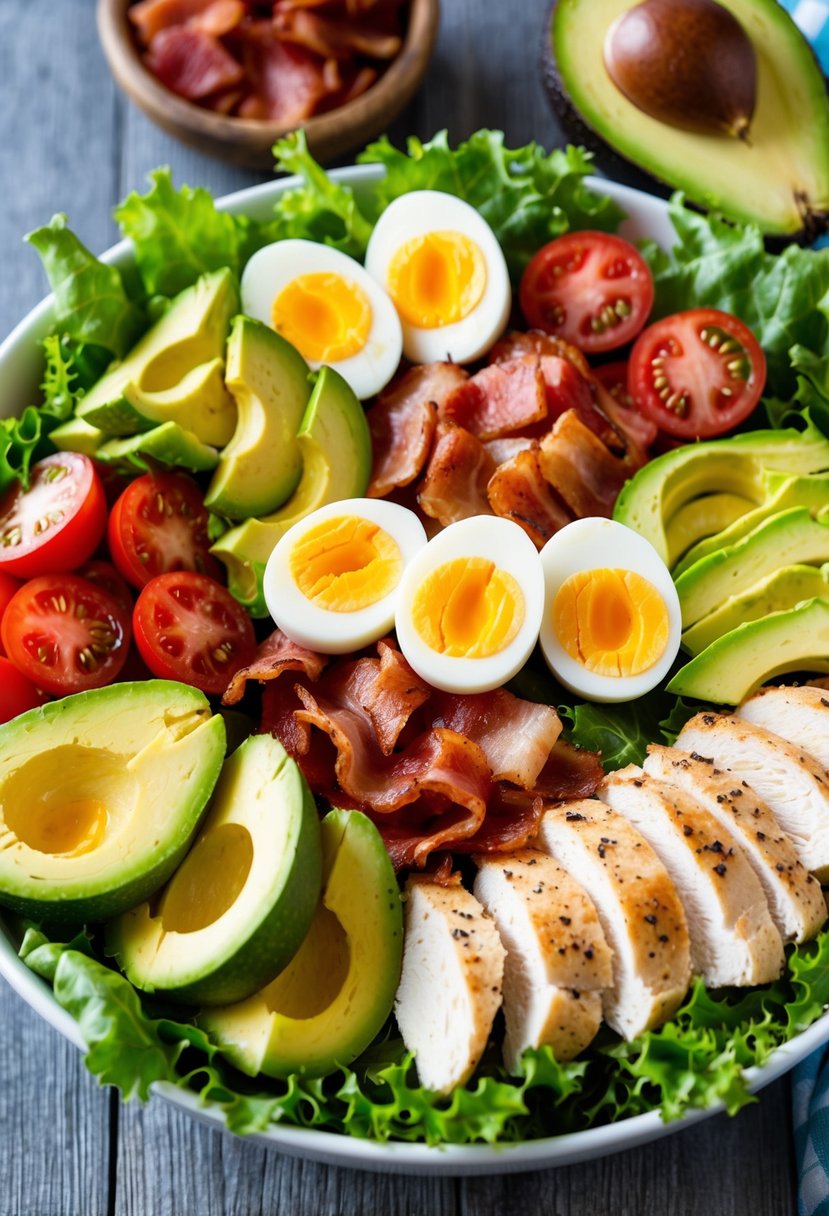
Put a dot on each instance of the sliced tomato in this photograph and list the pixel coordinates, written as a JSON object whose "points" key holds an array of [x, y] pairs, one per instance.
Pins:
{"points": [[58, 522], [589, 288], [8, 587], [17, 694], [159, 524], [188, 627], [66, 634], [103, 574], [697, 374], [614, 377]]}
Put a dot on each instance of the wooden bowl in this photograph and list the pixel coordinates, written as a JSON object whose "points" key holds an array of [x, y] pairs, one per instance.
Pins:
{"points": [[246, 141]]}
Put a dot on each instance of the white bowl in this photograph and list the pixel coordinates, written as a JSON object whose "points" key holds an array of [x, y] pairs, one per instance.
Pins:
{"points": [[20, 374]]}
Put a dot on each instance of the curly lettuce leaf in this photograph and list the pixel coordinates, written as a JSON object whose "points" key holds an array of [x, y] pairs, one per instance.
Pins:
{"points": [[620, 732], [179, 235], [92, 305], [60, 379], [321, 209], [19, 438]]}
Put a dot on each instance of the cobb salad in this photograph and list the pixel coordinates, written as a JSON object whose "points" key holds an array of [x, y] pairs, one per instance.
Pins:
{"points": [[467, 510]]}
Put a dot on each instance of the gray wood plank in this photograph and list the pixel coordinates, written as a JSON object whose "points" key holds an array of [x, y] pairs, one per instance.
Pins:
{"points": [[54, 1121]]}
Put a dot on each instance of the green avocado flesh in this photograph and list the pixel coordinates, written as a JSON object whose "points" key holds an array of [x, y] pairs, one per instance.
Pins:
{"points": [[789, 537], [336, 994], [733, 666], [100, 796], [175, 372], [778, 178], [775, 592], [238, 907], [167, 444], [261, 465], [702, 517], [735, 466], [335, 445]]}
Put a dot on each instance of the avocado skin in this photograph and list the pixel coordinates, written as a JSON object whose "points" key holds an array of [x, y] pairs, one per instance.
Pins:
{"points": [[628, 172]]}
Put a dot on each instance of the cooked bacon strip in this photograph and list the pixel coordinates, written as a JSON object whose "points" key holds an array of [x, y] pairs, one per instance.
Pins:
{"points": [[192, 63], [516, 343], [151, 16], [313, 751], [334, 39], [570, 773], [579, 466], [635, 427], [276, 654], [512, 819], [360, 83], [517, 491], [219, 18], [403, 421], [515, 736], [499, 399], [457, 477], [502, 450], [387, 689], [287, 81]]}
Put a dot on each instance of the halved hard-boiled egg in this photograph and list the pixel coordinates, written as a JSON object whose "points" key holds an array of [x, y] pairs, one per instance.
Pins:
{"points": [[469, 605], [612, 622], [327, 306], [441, 263], [332, 581]]}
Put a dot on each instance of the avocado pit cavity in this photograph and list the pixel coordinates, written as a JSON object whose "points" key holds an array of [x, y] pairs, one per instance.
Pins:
{"points": [[686, 63], [209, 880]]}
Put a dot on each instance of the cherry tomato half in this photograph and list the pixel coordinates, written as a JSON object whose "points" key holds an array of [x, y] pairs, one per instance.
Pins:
{"points": [[8, 587], [697, 374], [589, 288], [58, 522], [66, 634], [188, 627], [614, 398], [17, 694], [159, 524], [103, 574]]}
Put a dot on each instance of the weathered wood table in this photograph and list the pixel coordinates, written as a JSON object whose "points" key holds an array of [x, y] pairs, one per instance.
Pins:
{"points": [[69, 141]]}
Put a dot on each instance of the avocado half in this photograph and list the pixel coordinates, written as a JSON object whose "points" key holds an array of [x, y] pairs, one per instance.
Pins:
{"points": [[777, 179]]}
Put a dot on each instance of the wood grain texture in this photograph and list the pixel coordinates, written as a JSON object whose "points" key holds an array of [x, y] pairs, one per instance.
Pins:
{"points": [[69, 142]]}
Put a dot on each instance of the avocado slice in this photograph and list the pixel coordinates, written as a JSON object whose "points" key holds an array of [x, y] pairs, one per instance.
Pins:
{"points": [[261, 465], [75, 435], [789, 537], [336, 994], [238, 907], [703, 517], [175, 372], [167, 444], [774, 593], [782, 491], [335, 443], [100, 795], [731, 668], [649, 501], [778, 178]]}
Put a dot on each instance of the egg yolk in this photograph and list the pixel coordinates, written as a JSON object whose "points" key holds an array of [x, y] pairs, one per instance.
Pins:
{"points": [[326, 317], [346, 564], [613, 622], [436, 279], [468, 608]]}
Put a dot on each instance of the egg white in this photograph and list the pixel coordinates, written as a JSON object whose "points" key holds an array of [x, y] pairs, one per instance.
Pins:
{"points": [[509, 547], [424, 211], [593, 544], [272, 268], [318, 628]]}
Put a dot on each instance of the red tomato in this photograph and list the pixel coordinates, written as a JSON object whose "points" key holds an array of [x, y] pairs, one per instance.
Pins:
{"points": [[104, 574], [58, 522], [589, 288], [159, 524], [614, 377], [188, 627], [17, 694], [697, 373], [8, 586], [66, 634]]}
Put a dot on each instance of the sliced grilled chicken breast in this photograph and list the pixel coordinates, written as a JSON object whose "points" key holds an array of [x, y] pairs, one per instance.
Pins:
{"points": [[794, 897], [795, 787], [733, 938], [638, 908], [798, 715], [558, 962], [450, 985]]}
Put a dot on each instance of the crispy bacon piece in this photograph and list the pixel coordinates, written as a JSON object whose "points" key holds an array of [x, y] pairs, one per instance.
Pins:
{"points": [[275, 655], [570, 773], [192, 63], [287, 81], [387, 690], [219, 18], [516, 343], [582, 470], [457, 477], [150, 16], [499, 399], [403, 422], [636, 428], [512, 819], [333, 39], [517, 491], [504, 449], [515, 736]]}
